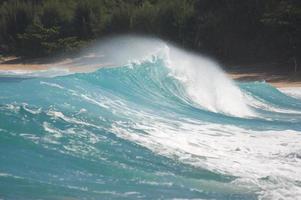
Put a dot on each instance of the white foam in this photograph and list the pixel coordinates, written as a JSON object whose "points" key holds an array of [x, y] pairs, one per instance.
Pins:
{"points": [[60, 115], [51, 72], [48, 128], [206, 84], [55, 85], [10, 175], [263, 105], [268, 161], [292, 91]]}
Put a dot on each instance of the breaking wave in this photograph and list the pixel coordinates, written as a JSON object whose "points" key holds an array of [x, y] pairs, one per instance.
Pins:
{"points": [[166, 124]]}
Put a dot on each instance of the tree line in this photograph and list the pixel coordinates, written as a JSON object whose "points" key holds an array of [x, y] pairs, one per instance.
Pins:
{"points": [[231, 30]]}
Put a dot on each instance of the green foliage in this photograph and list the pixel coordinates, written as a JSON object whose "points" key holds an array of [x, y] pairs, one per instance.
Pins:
{"points": [[174, 18], [285, 18], [55, 13], [15, 17], [40, 41], [245, 30], [69, 44], [88, 19], [37, 40], [120, 18], [143, 18]]}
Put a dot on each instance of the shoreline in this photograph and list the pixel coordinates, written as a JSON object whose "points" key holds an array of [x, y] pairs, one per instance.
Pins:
{"points": [[278, 81], [17, 66]]}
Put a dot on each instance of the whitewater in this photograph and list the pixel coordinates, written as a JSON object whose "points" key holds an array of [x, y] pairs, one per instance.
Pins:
{"points": [[157, 123]]}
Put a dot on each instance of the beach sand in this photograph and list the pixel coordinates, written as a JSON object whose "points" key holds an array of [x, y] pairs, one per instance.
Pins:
{"points": [[278, 81], [276, 78], [42, 64]]}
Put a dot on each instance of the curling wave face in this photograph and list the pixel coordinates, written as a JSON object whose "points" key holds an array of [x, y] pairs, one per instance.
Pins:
{"points": [[169, 125]]}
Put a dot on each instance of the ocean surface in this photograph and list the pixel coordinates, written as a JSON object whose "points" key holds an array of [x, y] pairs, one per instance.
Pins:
{"points": [[168, 126]]}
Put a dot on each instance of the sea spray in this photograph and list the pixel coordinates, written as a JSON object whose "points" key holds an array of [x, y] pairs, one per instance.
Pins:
{"points": [[152, 125], [204, 80], [206, 84]]}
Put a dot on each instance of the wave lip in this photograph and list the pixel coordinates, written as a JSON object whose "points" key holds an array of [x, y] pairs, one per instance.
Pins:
{"points": [[206, 84], [203, 80], [164, 124]]}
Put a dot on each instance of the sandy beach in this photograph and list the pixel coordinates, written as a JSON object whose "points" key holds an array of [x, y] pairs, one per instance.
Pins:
{"points": [[279, 81], [33, 65], [11, 64]]}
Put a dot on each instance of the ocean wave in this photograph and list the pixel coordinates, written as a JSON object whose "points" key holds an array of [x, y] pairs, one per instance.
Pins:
{"points": [[165, 124]]}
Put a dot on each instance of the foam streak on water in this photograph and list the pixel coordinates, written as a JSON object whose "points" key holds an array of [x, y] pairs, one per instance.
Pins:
{"points": [[162, 124]]}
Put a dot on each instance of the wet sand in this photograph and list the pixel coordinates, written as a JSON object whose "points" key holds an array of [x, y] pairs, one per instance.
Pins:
{"points": [[279, 75], [42, 64], [277, 78], [279, 81]]}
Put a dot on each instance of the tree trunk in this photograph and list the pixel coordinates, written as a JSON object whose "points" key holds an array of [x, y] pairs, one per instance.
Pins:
{"points": [[295, 65]]}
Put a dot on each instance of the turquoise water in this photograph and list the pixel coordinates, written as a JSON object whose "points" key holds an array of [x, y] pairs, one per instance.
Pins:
{"points": [[135, 132]]}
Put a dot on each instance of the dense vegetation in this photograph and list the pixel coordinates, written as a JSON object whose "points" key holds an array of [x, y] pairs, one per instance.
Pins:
{"points": [[231, 30]]}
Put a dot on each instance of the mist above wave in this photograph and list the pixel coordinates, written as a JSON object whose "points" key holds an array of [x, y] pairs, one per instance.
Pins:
{"points": [[204, 80]]}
